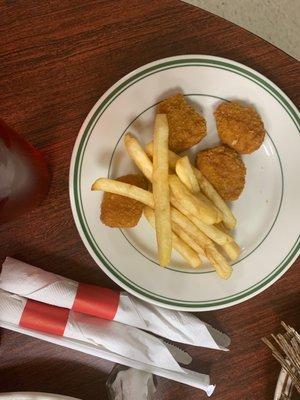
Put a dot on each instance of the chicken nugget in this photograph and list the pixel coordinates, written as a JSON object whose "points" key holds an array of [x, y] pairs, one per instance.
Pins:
{"points": [[240, 127], [120, 211], [224, 169], [186, 126]]}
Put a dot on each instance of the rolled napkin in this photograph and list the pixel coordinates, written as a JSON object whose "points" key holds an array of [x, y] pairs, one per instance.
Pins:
{"points": [[37, 284], [107, 339], [119, 338]]}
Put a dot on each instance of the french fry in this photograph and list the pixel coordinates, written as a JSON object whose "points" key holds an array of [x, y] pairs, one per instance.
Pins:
{"points": [[211, 231], [173, 157], [221, 266], [187, 239], [186, 251], [228, 218], [124, 189], [216, 259], [185, 172], [207, 188], [232, 249], [179, 245], [205, 199], [192, 203], [223, 228], [189, 228], [138, 155], [160, 185]]}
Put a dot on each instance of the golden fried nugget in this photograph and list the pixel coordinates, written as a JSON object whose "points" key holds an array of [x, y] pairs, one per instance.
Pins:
{"points": [[240, 127], [224, 169], [186, 126], [120, 211]]}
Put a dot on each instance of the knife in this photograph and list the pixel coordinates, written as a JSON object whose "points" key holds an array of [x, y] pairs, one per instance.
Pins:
{"points": [[181, 356]]}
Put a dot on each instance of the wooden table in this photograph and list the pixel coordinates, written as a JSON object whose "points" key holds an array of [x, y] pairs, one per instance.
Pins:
{"points": [[57, 58]]}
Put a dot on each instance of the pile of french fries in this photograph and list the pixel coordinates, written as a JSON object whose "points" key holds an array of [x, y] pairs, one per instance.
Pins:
{"points": [[183, 207]]}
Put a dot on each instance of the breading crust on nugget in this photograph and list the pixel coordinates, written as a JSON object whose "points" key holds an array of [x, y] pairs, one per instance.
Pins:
{"points": [[120, 211], [240, 127], [186, 126], [224, 169]]}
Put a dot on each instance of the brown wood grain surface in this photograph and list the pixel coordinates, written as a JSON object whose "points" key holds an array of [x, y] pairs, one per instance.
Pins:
{"points": [[56, 59]]}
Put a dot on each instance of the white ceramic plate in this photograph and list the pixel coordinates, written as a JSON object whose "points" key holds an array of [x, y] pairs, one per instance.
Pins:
{"points": [[33, 396], [268, 210]]}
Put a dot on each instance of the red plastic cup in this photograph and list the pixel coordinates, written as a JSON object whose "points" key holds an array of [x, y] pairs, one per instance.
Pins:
{"points": [[24, 175]]}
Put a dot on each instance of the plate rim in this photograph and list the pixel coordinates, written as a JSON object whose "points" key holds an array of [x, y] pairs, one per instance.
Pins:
{"points": [[23, 395], [103, 262]]}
